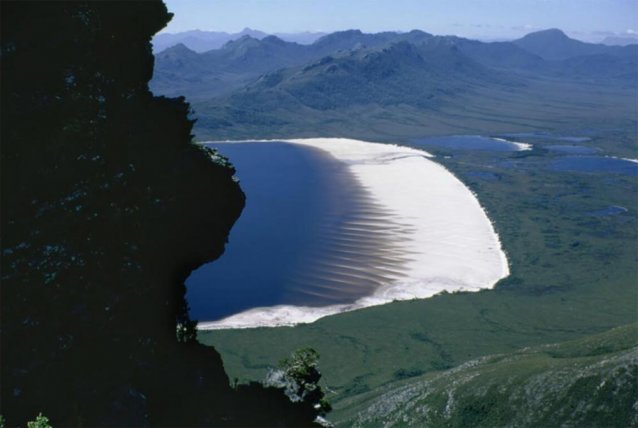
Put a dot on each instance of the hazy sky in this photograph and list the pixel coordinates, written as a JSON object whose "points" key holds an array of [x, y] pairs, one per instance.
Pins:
{"points": [[488, 19]]}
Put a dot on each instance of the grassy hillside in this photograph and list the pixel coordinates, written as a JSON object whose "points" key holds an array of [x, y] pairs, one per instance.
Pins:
{"points": [[588, 382]]}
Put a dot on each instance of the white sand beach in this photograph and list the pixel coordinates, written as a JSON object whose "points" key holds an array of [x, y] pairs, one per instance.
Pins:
{"points": [[519, 146], [452, 245]]}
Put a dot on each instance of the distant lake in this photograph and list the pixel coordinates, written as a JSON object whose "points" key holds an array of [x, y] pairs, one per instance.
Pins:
{"points": [[575, 150], [307, 230], [595, 164], [609, 211], [465, 142], [546, 136]]}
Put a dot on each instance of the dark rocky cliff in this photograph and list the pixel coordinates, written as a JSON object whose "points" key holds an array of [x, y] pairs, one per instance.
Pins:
{"points": [[106, 208]]}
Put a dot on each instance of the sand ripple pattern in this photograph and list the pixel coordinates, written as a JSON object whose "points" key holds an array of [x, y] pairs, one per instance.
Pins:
{"points": [[416, 231]]}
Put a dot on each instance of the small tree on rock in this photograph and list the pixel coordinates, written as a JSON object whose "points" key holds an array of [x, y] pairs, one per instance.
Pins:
{"points": [[40, 421], [299, 375]]}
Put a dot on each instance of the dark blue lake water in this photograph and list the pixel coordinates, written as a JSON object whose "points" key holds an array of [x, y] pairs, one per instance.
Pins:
{"points": [[309, 235], [484, 175], [464, 142], [546, 136], [594, 164], [575, 150]]}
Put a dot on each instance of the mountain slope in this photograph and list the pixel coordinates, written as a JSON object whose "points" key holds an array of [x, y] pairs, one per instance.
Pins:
{"points": [[434, 86], [399, 74], [355, 39], [181, 71], [257, 56], [504, 55], [587, 382]]}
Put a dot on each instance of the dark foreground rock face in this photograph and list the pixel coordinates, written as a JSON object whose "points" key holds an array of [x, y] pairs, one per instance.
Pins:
{"points": [[106, 208]]}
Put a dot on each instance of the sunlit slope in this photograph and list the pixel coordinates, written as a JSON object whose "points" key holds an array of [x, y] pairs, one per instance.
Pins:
{"points": [[587, 382]]}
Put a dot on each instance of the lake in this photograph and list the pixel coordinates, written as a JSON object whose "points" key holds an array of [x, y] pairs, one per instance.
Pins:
{"points": [[595, 164], [539, 135], [309, 235], [609, 211], [466, 142], [570, 149]]}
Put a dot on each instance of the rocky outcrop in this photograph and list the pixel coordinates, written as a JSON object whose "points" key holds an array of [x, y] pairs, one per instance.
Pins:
{"points": [[107, 206]]}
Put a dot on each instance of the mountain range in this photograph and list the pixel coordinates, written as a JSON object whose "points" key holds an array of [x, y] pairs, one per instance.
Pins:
{"points": [[402, 84], [202, 41]]}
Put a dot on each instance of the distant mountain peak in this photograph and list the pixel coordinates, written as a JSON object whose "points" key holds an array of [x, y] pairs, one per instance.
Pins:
{"points": [[554, 44], [419, 33], [350, 32], [550, 33], [253, 33], [244, 40], [273, 40], [340, 35], [180, 48], [246, 37]]}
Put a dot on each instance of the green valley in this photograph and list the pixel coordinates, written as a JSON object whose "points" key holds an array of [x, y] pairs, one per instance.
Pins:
{"points": [[572, 275]]}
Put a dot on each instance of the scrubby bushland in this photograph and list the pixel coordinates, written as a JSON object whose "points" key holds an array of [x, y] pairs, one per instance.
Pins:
{"points": [[106, 208]]}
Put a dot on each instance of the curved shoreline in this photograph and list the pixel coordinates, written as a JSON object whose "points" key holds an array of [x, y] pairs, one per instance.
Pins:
{"points": [[452, 245]]}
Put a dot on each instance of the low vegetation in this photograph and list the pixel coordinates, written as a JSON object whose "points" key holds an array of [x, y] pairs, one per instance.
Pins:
{"points": [[586, 382]]}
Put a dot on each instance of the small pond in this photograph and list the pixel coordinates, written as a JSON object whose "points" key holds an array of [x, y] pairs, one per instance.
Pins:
{"points": [[609, 211]]}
